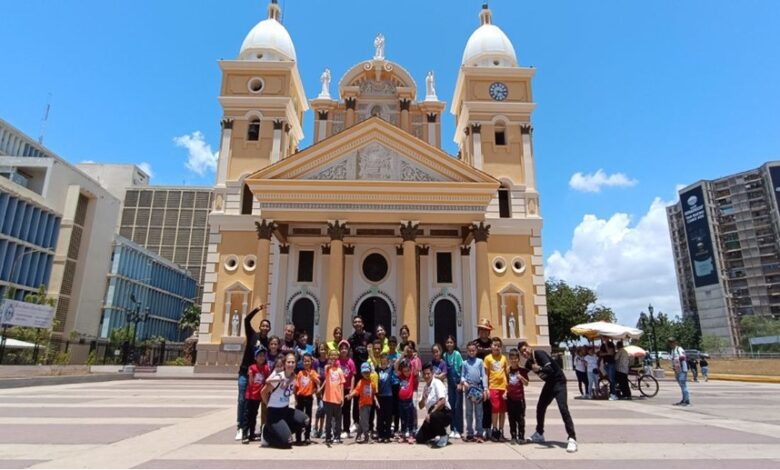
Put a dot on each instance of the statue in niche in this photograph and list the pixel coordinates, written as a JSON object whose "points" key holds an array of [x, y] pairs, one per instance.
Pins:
{"points": [[379, 46], [430, 90], [511, 326], [234, 323], [325, 79]]}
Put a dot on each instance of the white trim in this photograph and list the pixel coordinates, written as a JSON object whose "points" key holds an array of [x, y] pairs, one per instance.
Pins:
{"points": [[231, 259], [255, 80], [521, 269], [247, 260], [494, 264]]}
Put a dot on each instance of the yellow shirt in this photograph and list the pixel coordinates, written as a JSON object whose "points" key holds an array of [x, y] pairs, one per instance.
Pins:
{"points": [[496, 372]]}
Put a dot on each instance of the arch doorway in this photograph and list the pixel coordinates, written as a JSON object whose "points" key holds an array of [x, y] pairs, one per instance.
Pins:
{"points": [[445, 321], [303, 317], [375, 311]]}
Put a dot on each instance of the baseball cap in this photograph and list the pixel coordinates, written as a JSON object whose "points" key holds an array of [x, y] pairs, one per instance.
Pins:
{"points": [[365, 368], [260, 349], [344, 342]]}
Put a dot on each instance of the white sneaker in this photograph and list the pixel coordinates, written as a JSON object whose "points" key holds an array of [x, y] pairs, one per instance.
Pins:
{"points": [[263, 442], [612, 398], [538, 438], [239, 435], [452, 434], [455, 435], [571, 447], [343, 435], [353, 428]]}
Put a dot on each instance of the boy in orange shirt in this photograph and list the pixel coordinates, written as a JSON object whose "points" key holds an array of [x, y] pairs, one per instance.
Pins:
{"points": [[306, 383], [333, 397], [366, 391]]}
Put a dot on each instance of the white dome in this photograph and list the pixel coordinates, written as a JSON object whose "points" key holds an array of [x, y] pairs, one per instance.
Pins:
{"points": [[268, 41], [488, 46]]}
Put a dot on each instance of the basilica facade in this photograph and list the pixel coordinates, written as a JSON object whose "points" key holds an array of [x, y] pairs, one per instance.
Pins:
{"points": [[374, 218]]}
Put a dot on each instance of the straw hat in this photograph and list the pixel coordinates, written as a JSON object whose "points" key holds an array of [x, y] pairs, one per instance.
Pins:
{"points": [[484, 323]]}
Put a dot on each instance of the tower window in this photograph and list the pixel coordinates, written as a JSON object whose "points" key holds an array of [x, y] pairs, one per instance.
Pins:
{"points": [[253, 132], [500, 137], [246, 201], [305, 266], [444, 268], [503, 202]]}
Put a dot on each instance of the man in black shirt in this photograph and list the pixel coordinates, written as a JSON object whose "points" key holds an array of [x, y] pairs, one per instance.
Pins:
{"points": [[484, 347], [247, 359], [288, 342], [554, 388]]}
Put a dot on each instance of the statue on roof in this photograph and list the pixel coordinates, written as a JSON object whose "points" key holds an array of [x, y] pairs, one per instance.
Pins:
{"points": [[325, 79], [379, 45], [430, 90]]}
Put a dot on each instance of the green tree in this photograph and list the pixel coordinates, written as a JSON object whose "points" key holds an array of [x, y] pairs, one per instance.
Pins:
{"points": [[571, 305], [684, 330], [753, 326], [602, 313], [190, 318], [713, 344]]}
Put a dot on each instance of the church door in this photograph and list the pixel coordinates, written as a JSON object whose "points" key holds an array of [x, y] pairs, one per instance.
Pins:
{"points": [[303, 317], [444, 321], [375, 311]]}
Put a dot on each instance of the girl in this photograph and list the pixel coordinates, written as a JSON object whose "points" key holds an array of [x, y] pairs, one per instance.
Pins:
{"points": [[381, 335], [332, 391], [591, 362], [274, 343], [348, 367], [454, 394], [581, 369], [404, 334], [408, 384], [438, 363]]}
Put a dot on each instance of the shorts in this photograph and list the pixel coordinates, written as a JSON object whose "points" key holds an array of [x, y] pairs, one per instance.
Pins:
{"points": [[497, 402]]}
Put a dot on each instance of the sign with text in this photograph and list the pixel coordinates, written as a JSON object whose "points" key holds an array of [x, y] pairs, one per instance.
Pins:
{"points": [[16, 313], [697, 230]]}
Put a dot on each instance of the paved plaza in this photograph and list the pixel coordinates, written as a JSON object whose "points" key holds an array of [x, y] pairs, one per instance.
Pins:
{"points": [[190, 424]]}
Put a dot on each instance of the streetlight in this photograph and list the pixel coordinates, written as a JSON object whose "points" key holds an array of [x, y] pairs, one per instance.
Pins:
{"points": [[655, 339], [134, 316]]}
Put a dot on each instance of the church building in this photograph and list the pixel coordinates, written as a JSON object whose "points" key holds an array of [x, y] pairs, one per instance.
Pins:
{"points": [[374, 218]]}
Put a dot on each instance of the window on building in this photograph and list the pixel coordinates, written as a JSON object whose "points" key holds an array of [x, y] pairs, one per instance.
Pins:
{"points": [[504, 205], [305, 266], [444, 268], [246, 201], [500, 137], [253, 132]]}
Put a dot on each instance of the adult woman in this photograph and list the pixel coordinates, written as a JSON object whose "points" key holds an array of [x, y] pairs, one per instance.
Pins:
{"points": [[337, 337], [581, 369], [381, 335], [282, 420], [404, 334], [454, 393]]}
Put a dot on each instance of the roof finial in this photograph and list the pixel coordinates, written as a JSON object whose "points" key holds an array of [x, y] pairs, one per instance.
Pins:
{"points": [[274, 12], [485, 16]]}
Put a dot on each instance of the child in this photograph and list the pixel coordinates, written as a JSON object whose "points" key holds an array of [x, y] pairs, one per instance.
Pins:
{"points": [[454, 393], [373, 359], [302, 347], [515, 397], [273, 349], [415, 363], [592, 363], [322, 363], [306, 382], [407, 386], [348, 367], [365, 391], [474, 383], [438, 363], [258, 372], [332, 390], [392, 358], [385, 396], [496, 368]]}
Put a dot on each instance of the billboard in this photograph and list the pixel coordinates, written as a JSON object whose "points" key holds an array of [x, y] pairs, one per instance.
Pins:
{"points": [[16, 313], [774, 173], [697, 230]]}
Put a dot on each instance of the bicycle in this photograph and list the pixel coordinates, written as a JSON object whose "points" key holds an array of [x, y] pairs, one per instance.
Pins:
{"points": [[638, 380]]}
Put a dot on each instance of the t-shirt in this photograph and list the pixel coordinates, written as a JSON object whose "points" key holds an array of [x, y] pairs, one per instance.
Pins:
{"points": [[592, 362], [550, 370], [514, 388], [365, 390], [704, 363], [392, 357], [607, 352], [348, 367], [679, 364], [359, 342], [385, 386], [281, 391], [454, 366], [334, 385], [287, 347], [332, 345], [496, 372], [434, 392], [579, 363], [439, 367], [484, 347], [408, 386], [306, 382], [257, 376], [300, 351], [622, 361]]}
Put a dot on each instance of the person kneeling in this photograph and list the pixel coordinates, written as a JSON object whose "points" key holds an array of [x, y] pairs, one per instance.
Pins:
{"points": [[434, 399]]}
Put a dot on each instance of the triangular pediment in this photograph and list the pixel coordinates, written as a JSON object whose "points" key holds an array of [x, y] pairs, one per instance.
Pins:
{"points": [[373, 150]]}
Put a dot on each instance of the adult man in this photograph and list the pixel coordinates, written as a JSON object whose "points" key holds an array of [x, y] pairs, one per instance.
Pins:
{"points": [[607, 356], [554, 388], [288, 342], [484, 347], [434, 399], [248, 358], [680, 366], [359, 342], [622, 365]]}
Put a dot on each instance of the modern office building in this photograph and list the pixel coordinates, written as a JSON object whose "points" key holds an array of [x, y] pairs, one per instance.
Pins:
{"points": [[160, 288], [726, 243], [117, 178], [83, 244]]}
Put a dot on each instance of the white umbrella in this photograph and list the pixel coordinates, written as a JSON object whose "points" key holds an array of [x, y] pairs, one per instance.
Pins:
{"points": [[11, 343], [610, 330]]}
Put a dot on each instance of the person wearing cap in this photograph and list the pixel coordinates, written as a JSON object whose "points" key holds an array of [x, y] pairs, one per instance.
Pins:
{"points": [[434, 399], [484, 344], [365, 391], [348, 367], [680, 366], [258, 372]]}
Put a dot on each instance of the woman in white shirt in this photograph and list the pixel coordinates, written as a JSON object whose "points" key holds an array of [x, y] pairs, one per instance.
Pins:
{"points": [[434, 399], [581, 369], [282, 420]]}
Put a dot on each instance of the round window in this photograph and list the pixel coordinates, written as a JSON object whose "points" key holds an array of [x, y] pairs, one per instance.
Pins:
{"points": [[375, 267], [255, 85], [499, 264], [518, 265], [250, 262], [231, 262]]}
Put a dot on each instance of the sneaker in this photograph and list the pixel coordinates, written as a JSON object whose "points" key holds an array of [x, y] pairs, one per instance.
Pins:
{"points": [[678, 403], [245, 439], [613, 397], [685, 403], [571, 446], [338, 441], [353, 428], [452, 435], [468, 439], [538, 438], [479, 440], [442, 442], [343, 435], [264, 443], [239, 434], [513, 441], [455, 435], [411, 440]]}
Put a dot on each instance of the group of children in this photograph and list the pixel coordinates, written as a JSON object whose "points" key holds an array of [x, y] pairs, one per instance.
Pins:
{"points": [[385, 387]]}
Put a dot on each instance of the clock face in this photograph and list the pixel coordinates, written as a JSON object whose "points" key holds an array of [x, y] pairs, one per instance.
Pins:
{"points": [[498, 91]]}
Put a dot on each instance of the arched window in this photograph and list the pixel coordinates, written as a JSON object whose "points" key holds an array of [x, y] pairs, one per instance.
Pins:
{"points": [[253, 131], [504, 202], [500, 133], [246, 201]]}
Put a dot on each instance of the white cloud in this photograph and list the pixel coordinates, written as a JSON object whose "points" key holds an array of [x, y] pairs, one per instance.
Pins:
{"points": [[146, 168], [628, 267], [200, 157], [87, 162], [593, 182]]}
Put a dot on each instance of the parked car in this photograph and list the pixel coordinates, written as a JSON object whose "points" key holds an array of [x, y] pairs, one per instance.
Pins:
{"points": [[662, 354]]}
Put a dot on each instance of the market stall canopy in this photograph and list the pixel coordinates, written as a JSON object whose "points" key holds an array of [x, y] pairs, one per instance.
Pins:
{"points": [[602, 328], [635, 351]]}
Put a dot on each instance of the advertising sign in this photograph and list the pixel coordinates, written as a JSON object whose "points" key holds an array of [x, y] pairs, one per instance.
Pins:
{"points": [[16, 313], [697, 230], [774, 173]]}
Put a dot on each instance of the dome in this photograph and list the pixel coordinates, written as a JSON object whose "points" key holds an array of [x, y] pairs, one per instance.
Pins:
{"points": [[488, 46], [268, 40]]}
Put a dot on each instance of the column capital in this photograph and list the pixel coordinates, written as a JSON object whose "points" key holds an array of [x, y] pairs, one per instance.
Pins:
{"points": [[349, 249], [337, 230], [284, 249], [476, 128], [481, 232], [265, 229], [423, 250], [350, 103], [465, 250], [278, 124], [399, 250], [526, 129], [405, 104], [325, 249], [322, 115], [226, 123], [409, 231], [431, 117]]}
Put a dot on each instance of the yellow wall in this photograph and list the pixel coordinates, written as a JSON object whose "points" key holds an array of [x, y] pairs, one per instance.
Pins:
{"points": [[240, 244], [509, 247]]}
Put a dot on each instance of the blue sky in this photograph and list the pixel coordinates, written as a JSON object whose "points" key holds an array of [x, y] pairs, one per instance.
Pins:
{"points": [[664, 93]]}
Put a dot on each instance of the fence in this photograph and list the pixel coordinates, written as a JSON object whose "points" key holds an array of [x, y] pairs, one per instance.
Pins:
{"points": [[63, 352]]}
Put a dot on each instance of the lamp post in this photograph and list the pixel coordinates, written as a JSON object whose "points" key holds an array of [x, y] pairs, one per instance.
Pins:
{"points": [[655, 339], [134, 316]]}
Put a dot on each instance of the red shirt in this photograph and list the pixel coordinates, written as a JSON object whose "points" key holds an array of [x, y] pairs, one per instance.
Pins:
{"points": [[514, 387], [257, 376], [408, 386]]}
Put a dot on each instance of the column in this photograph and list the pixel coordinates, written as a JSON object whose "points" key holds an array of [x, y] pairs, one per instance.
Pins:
{"points": [[410, 312], [476, 130], [336, 232], [226, 325], [431, 118], [322, 126], [224, 151], [350, 103], [469, 327], [265, 230], [277, 319], [484, 308], [349, 294], [528, 157], [405, 114], [424, 292], [276, 147]]}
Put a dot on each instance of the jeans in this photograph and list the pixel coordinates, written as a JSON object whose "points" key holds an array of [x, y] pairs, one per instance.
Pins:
{"points": [[252, 406], [704, 371], [281, 424], [363, 429], [332, 421], [241, 412], [455, 398], [516, 409], [473, 418], [396, 409], [612, 375], [346, 410], [582, 379], [407, 416], [554, 391], [682, 381], [593, 383]]}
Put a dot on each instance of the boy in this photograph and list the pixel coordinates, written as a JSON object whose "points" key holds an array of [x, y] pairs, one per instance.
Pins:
{"points": [[385, 395], [332, 390], [373, 359], [258, 372], [474, 383], [306, 382], [515, 397], [365, 390], [496, 367], [392, 357], [407, 386]]}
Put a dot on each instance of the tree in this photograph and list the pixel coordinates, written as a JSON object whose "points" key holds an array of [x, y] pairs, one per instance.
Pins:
{"points": [[684, 330], [190, 318], [602, 313], [713, 344], [568, 306], [753, 326]]}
